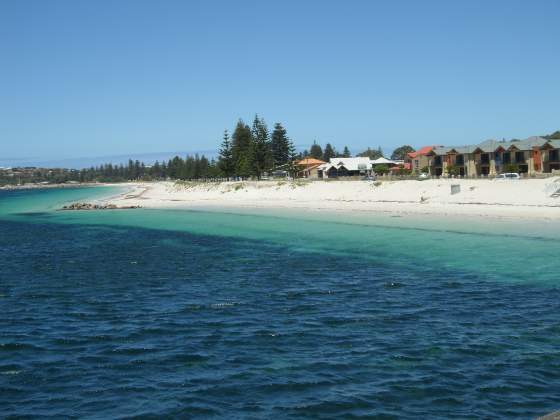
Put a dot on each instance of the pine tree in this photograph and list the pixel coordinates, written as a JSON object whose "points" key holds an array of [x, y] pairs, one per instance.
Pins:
{"points": [[129, 169], [292, 159], [175, 167], [346, 152], [242, 149], [316, 151], [400, 152], [280, 145], [136, 169], [203, 166], [191, 167], [214, 170], [261, 156], [372, 154], [328, 153], [155, 171], [225, 162]]}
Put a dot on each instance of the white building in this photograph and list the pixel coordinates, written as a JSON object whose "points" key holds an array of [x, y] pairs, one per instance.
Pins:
{"points": [[346, 167], [356, 166]]}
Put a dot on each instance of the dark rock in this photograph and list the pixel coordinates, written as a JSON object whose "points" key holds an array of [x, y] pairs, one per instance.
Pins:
{"points": [[89, 206]]}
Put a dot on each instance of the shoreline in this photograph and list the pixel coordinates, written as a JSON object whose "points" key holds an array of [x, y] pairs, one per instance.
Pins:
{"points": [[527, 199]]}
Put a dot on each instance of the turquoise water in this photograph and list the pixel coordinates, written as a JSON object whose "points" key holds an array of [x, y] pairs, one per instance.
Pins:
{"points": [[258, 314]]}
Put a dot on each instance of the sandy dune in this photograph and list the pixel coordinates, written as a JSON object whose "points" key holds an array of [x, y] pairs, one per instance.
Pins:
{"points": [[529, 198]]}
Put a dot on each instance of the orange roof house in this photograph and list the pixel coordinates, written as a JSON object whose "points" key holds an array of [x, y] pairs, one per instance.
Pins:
{"points": [[418, 160], [309, 162], [308, 167], [421, 152]]}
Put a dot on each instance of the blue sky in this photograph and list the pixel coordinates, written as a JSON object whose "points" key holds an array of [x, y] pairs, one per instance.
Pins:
{"points": [[94, 78]]}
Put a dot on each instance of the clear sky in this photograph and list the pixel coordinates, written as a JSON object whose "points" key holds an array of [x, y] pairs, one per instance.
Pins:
{"points": [[92, 78]]}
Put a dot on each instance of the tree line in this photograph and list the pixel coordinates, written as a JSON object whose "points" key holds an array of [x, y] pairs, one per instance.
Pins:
{"points": [[249, 152], [253, 151], [328, 152], [192, 167]]}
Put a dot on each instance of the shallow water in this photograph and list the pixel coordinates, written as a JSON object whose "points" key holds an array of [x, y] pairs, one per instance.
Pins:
{"points": [[198, 313]]}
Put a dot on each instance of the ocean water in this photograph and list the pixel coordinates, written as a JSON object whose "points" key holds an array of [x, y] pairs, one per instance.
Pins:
{"points": [[240, 314]]}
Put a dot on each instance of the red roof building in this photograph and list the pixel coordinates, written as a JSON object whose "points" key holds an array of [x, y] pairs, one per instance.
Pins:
{"points": [[418, 160]]}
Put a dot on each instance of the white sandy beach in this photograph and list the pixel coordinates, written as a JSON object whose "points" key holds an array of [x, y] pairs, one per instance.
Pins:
{"points": [[528, 198]]}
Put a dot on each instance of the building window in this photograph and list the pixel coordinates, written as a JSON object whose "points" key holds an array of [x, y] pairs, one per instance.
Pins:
{"points": [[553, 155], [460, 160], [507, 157], [519, 157], [437, 161], [485, 159]]}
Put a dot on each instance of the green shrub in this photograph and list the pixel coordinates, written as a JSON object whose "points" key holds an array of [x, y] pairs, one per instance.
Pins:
{"points": [[511, 168], [381, 169], [403, 171], [453, 170]]}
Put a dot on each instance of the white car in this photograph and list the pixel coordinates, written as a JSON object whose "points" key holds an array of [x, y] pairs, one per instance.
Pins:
{"points": [[508, 175]]}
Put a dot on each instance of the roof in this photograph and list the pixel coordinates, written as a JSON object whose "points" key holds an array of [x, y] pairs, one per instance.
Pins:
{"points": [[490, 145], [554, 143], [310, 162], [351, 164], [461, 150], [383, 160], [440, 150], [423, 151], [528, 143]]}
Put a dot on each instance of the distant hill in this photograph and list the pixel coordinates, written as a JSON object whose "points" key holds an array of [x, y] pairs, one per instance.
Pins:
{"points": [[553, 136]]}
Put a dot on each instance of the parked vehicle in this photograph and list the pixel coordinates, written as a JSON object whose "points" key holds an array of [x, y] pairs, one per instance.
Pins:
{"points": [[423, 176], [508, 175]]}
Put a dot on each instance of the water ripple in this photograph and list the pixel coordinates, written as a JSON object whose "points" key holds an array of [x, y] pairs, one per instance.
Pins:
{"points": [[202, 326]]}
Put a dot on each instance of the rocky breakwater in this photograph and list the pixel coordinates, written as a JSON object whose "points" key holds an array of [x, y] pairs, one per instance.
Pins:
{"points": [[89, 206]]}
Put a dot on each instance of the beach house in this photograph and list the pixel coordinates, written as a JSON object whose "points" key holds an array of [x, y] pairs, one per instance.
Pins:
{"points": [[308, 167], [416, 161], [531, 156], [346, 167], [551, 156]]}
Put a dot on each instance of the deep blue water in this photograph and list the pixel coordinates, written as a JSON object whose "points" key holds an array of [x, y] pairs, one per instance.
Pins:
{"points": [[108, 315]]}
